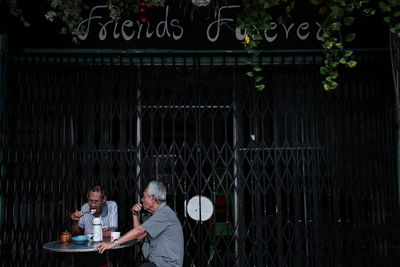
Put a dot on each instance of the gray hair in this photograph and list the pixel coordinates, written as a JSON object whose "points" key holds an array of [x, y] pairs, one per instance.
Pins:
{"points": [[157, 189]]}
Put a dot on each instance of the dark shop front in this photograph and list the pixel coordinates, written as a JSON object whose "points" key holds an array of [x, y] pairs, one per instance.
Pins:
{"points": [[296, 175]]}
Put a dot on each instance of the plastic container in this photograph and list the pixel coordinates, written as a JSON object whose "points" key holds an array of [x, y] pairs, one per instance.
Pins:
{"points": [[97, 231]]}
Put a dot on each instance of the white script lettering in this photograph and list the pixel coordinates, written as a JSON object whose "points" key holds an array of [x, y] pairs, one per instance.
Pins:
{"points": [[128, 29]]}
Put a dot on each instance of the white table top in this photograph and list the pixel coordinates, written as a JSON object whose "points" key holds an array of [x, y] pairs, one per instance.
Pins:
{"points": [[90, 246]]}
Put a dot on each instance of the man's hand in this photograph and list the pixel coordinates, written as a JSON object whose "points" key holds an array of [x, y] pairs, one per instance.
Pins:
{"points": [[136, 209], [76, 216], [103, 246]]}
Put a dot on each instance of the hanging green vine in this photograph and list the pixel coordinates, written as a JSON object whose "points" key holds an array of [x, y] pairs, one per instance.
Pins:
{"points": [[70, 14], [16, 11], [391, 12], [338, 14], [256, 17]]}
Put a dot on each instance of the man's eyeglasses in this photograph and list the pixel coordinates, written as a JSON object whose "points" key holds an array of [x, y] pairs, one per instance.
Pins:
{"points": [[95, 202]]}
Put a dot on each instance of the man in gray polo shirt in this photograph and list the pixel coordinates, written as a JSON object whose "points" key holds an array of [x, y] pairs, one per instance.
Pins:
{"points": [[163, 228]]}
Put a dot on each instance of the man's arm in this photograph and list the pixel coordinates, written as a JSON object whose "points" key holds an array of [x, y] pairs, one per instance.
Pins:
{"points": [[75, 217], [135, 214], [75, 228], [136, 233], [107, 233]]}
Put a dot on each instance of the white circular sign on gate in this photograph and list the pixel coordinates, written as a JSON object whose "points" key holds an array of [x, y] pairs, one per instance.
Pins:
{"points": [[200, 208]]}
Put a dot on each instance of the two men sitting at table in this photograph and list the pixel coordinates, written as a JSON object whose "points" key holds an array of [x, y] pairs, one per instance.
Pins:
{"points": [[163, 227]]}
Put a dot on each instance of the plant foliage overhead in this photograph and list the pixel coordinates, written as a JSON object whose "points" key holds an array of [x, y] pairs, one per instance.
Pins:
{"points": [[256, 16], [336, 16]]}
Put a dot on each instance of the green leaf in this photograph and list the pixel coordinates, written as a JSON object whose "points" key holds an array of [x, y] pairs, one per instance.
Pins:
{"points": [[258, 79], [339, 45], [348, 53], [248, 61], [326, 34], [253, 45], [342, 60], [50, 15], [350, 7], [323, 70], [326, 86], [350, 37], [290, 6], [63, 30], [352, 64], [54, 3], [348, 21], [398, 34], [267, 5], [335, 26], [336, 10], [260, 87], [386, 19], [250, 74], [369, 11], [330, 44], [396, 14], [331, 83], [335, 74], [383, 6], [393, 29], [257, 68]]}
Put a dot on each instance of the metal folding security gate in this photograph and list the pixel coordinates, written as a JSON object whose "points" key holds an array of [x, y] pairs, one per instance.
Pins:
{"points": [[297, 176]]}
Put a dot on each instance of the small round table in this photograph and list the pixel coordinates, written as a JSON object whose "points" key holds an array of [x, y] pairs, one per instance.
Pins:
{"points": [[90, 246]]}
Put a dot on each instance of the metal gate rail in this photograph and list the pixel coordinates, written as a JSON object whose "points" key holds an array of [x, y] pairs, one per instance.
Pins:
{"points": [[298, 176]]}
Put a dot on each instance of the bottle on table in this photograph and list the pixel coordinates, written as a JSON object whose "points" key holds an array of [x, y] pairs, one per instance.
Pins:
{"points": [[97, 230]]}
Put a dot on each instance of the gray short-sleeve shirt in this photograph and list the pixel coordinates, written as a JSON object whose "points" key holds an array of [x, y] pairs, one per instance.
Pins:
{"points": [[166, 237]]}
